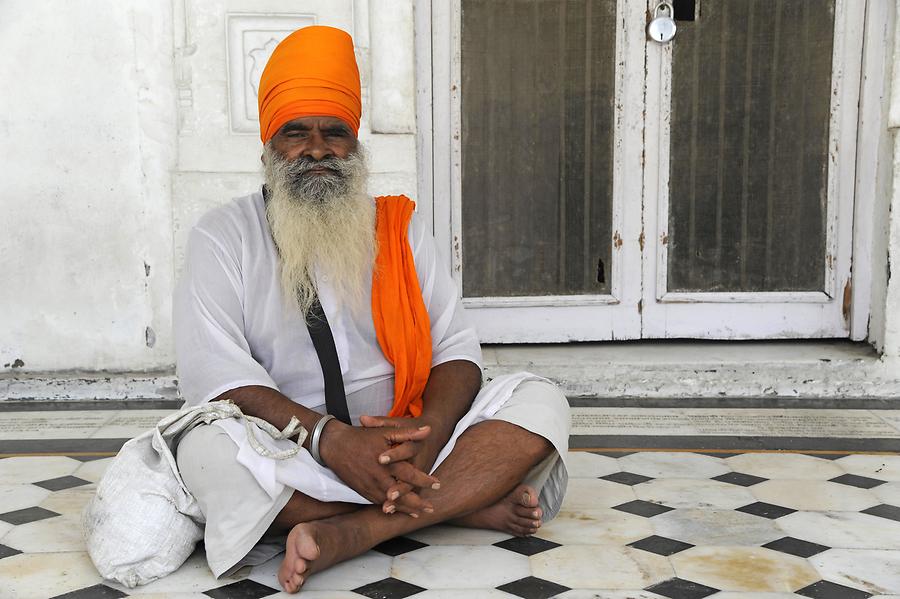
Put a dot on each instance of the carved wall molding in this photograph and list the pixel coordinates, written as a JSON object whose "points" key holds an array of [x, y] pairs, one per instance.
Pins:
{"points": [[251, 38]]}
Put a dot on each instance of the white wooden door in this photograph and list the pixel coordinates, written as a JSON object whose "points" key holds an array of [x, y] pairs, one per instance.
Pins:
{"points": [[750, 171], [491, 97]]}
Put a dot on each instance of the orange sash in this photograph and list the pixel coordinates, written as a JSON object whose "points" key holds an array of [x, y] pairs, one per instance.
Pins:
{"points": [[398, 310]]}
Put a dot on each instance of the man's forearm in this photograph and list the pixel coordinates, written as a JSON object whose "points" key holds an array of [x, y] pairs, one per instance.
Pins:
{"points": [[448, 396], [272, 406]]}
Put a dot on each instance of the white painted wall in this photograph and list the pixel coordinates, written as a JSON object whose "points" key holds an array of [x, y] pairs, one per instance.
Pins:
{"points": [[219, 47], [122, 122], [86, 149]]}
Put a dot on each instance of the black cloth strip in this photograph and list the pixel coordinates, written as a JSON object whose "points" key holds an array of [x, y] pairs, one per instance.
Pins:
{"points": [[323, 341]]}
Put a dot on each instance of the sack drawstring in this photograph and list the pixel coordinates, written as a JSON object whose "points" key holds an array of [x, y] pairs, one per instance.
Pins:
{"points": [[216, 410], [273, 432]]}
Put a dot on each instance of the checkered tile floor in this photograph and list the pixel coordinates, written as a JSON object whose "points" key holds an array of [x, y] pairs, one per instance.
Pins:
{"points": [[642, 525]]}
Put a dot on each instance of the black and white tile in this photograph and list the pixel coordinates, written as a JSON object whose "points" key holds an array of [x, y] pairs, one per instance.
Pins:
{"points": [[636, 524]]}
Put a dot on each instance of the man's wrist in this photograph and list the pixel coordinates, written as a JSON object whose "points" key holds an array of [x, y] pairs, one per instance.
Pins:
{"points": [[432, 445], [440, 431], [316, 437], [330, 428]]}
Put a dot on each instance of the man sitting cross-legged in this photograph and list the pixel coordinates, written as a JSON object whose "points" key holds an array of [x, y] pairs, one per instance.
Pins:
{"points": [[426, 443]]}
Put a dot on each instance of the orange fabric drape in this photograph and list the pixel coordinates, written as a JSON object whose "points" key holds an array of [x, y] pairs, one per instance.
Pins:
{"points": [[398, 309]]}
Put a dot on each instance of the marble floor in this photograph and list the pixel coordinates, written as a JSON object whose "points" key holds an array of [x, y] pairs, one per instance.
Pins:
{"points": [[678, 503]]}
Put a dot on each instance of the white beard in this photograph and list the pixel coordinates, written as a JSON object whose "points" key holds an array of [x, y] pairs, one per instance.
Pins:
{"points": [[321, 221]]}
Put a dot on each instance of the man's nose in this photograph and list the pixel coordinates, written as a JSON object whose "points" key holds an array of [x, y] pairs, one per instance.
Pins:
{"points": [[317, 148]]}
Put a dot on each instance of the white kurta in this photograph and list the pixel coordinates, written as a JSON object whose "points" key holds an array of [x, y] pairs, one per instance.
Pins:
{"points": [[232, 329]]}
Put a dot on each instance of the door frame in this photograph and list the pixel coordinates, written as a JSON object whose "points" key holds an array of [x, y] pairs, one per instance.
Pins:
{"points": [[873, 174]]}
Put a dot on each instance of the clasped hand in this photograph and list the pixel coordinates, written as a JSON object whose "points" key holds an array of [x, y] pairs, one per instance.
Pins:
{"points": [[386, 460]]}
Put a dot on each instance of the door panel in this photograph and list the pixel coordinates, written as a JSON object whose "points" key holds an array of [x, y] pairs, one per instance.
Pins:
{"points": [[538, 81], [748, 172], [749, 181], [541, 137]]}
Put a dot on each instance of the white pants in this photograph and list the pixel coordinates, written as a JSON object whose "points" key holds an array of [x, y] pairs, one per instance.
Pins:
{"points": [[239, 508]]}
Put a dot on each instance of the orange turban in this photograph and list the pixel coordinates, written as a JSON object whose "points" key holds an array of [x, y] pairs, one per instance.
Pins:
{"points": [[312, 72]]}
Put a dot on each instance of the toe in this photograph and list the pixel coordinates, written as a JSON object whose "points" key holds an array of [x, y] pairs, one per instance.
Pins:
{"points": [[300, 566], [522, 531], [284, 577], [306, 546], [528, 496], [522, 511], [292, 584], [291, 578], [526, 523]]}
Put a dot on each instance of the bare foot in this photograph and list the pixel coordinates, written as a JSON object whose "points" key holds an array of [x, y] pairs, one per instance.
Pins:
{"points": [[311, 547], [516, 514]]}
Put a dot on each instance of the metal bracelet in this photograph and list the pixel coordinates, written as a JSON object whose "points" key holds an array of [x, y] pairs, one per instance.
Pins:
{"points": [[317, 437]]}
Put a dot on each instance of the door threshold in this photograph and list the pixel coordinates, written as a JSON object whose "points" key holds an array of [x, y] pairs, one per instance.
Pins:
{"points": [[708, 374]]}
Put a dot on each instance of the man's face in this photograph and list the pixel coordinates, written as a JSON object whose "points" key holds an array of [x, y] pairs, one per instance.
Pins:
{"points": [[316, 137], [312, 155]]}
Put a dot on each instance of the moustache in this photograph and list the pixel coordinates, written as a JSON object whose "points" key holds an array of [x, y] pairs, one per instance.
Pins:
{"points": [[303, 165]]}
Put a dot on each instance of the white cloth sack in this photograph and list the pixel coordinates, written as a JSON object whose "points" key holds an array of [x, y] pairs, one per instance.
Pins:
{"points": [[143, 523]]}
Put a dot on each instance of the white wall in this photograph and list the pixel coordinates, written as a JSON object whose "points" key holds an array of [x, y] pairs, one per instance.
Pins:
{"points": [[219, 47], [120, 124], [86, 147]]}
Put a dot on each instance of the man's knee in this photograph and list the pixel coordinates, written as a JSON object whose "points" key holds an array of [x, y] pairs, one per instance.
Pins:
{"points": [[547, 393], [530, 446], [540, 408], [545, 400], [206, 455]]}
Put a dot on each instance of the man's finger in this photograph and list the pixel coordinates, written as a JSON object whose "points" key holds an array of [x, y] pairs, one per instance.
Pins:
{"points": [[388, 489], [398, 453], [401, 435], [410, 503], [398, 490], [383, 422], [375, 422], [405, 472]]}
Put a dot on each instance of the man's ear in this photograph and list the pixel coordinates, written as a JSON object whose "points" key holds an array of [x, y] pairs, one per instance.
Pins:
{"points": [[262, 158]]}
